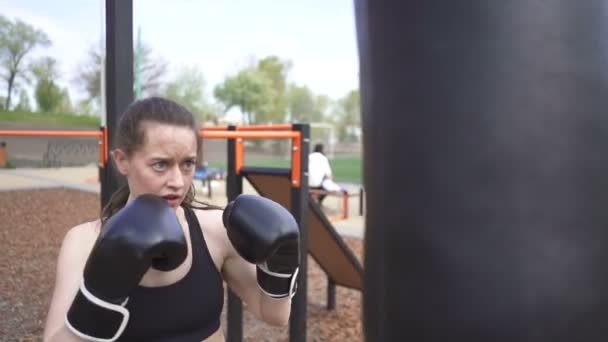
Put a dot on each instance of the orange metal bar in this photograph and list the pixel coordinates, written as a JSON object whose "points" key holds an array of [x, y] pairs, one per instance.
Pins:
{"points": [[263, 134], [248, 134], [239, 155], [214, 128], [106, 147], [279, 127], [296, 151], [335, 218], [101, 135], [25, 133], [101, 147]]}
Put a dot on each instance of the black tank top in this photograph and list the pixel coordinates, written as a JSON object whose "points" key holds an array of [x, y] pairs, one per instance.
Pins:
{"points": [[186, 311]]}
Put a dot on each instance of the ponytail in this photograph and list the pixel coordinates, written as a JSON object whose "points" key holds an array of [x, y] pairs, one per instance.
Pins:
{"points": [[117, 201]]}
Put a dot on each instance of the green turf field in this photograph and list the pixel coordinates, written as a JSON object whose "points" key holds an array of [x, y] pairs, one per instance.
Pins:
{"points": [[54, 119], [346, 169]]}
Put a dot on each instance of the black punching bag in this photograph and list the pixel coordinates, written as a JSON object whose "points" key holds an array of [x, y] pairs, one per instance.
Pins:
{"points": [[485, 129]]}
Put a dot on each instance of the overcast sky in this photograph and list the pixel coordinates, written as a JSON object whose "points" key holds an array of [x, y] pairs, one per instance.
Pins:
{"points": [[318, 36]]}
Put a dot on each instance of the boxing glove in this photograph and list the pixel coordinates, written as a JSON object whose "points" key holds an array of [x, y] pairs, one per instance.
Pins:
{"points": [[145, 233], [264, 233]]}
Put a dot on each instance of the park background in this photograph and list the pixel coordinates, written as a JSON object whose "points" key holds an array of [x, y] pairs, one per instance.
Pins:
{"points": [[230, 63], [233, 62]]}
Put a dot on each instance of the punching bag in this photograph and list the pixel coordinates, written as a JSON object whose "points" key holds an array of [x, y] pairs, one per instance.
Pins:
{"points": [[485, 132]]}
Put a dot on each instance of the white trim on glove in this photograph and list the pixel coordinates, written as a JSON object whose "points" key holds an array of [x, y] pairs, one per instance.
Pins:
{"points": [[112, 307], [292, 286]]}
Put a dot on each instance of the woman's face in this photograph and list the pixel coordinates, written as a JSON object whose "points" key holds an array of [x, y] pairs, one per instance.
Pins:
{"points": [[164, 165]]}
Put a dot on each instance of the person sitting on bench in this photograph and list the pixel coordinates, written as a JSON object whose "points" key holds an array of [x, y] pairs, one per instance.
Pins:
{"points": [[319, 173]]}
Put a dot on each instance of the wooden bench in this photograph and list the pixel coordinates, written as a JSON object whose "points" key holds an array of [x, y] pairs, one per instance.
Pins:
{"points": [[316, 192]]}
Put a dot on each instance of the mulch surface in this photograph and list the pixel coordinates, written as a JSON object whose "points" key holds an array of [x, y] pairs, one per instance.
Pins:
{"points": [[32, 225]]}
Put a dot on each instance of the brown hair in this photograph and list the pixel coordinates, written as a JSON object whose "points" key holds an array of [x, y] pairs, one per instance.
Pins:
{"points": [[130, 135]]}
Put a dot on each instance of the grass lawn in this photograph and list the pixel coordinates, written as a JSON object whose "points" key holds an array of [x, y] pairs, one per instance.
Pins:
{"points": [[346, 169], [54, 119]]}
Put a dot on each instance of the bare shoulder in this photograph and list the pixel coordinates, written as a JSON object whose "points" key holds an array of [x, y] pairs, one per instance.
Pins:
{"points": [[214, 232], [79, 240], [75, 249], [211, 221]]}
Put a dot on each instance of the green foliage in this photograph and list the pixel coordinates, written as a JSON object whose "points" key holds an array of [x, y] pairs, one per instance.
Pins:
{"points": [[45, 68], [65, 105], [188, 89], [259, 91], [24, 102], [348, 113], [49, 97], [249, 90], [276, 70], [51, 119], [301, 104], [9, 165], [17, 40], [322, 105], [84, 107]]}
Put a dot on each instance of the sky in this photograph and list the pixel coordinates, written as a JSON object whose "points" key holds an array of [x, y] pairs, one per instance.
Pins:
{"points": [[317, 36]]}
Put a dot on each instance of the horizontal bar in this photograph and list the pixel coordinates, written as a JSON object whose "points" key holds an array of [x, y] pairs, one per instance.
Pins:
{"points": [[281, 127], [277, 127], [249, 134], [215, 128], [26, 133]]}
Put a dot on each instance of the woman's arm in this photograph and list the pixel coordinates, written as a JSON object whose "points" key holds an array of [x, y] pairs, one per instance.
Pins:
{"points": [[74, 250], [241, 275]]}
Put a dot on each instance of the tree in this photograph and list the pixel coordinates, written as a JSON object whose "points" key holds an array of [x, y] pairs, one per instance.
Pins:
{"points": [[301, 104], [84, 107], [153, 69], [323, 104], [45, 68], [276, 70], [188, 88], [17, 40], [65, 105], [49, 96], [24, 102], [349, 116], [249, 90]]}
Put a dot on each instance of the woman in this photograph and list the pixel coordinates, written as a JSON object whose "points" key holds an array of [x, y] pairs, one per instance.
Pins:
{"points": [[156, 149]]}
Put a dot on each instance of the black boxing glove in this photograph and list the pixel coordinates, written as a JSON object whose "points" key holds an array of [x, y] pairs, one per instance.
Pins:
{"points": [[144, 233], [264, 233]]}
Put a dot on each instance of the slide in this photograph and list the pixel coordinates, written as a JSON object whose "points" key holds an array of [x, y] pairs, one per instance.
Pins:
{"points": [[325, 245]]}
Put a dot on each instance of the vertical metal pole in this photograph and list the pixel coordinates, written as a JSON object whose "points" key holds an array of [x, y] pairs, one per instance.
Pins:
{"points": [[234, 187], [119, 80], [299, 208], [361, 200], [331, 294]]}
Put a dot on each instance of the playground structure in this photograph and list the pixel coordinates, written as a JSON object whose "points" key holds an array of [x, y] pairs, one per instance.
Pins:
{"points": [[287, 186], [494, 225]]}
